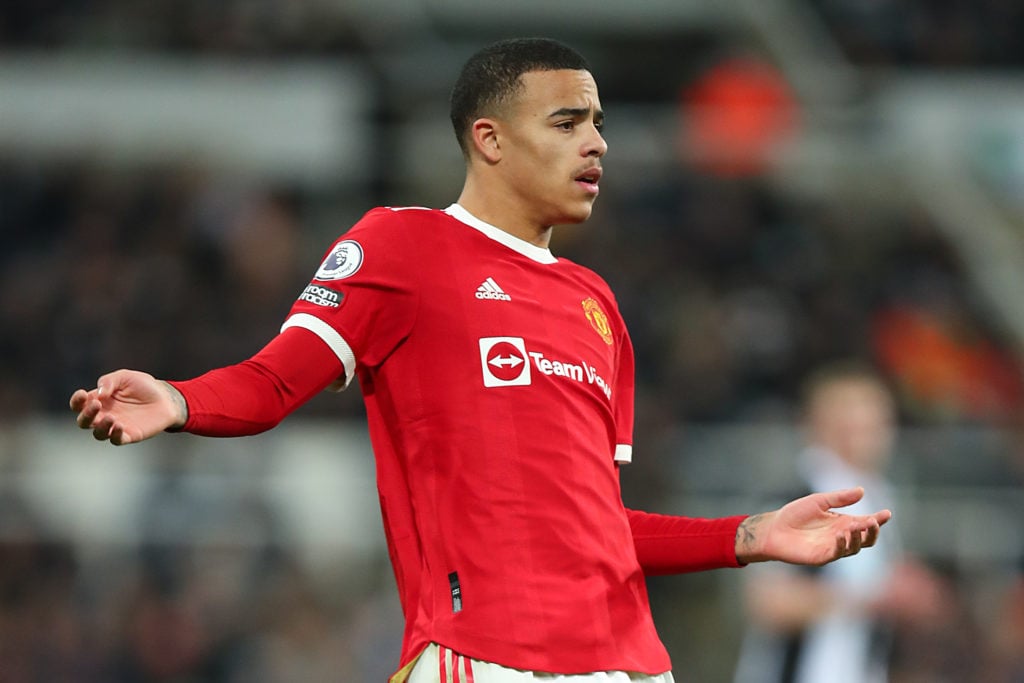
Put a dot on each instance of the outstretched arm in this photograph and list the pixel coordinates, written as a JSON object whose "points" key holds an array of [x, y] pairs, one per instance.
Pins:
{"points": [[128, 406], [805, 531], [808, 531]]}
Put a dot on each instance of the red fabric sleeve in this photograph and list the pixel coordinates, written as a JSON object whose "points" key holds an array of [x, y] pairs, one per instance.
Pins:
{"points": [[256, 394], [669, 544]]}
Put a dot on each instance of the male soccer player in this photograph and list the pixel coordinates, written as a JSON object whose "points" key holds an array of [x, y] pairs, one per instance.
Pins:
{"points": [[498, 382]]}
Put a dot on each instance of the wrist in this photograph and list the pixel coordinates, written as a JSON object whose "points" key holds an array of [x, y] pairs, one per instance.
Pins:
{"points": [[178, 408], [750, 536]]}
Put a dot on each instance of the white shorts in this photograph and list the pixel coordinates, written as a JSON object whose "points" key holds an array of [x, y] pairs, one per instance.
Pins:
{"points": [[438, 664]]}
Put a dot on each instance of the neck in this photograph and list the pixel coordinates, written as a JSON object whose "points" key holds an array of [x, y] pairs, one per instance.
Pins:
{"points": [[503, 212]]}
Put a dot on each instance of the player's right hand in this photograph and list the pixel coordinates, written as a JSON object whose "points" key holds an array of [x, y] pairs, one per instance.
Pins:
{"points": [[128, 406]]}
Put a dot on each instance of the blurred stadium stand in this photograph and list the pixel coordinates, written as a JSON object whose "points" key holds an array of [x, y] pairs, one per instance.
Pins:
{"points": [[789, 182]]}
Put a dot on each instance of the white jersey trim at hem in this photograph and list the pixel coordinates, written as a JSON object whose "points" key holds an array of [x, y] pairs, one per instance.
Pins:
{"points": [[623, 454], [438, 664], [332, 338]]}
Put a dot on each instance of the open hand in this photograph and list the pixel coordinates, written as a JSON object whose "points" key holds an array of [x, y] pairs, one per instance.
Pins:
{"points": [[807, 531], [128, 406]]}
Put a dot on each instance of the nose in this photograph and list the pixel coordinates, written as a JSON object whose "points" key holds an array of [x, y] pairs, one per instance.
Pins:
{"points": [[595, 145]]}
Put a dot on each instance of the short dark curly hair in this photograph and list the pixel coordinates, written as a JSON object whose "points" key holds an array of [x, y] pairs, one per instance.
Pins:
{"points": [[491, 77]]}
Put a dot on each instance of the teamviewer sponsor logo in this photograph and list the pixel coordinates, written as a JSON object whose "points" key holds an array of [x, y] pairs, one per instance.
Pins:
{"points": [[504, 362], [507, 363]]}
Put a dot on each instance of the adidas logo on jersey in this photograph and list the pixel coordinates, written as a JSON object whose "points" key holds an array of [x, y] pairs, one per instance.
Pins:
{"points": [[489, 289]]}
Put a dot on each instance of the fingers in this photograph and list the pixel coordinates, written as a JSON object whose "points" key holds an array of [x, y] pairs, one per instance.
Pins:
{"points": [[78, 400], [101, 429], [874, 529], [93, 418], [863, 532], [109, 383], [88, 408], [101, 409], [850, 543], [108, 430], [90, 416], [843, 497], [117, 436]]}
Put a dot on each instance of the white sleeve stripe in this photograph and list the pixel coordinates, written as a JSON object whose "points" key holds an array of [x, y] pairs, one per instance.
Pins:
{"points": [[623, 453], [330, 336]]}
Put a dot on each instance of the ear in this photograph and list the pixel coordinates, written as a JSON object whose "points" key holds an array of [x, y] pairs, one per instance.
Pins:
{"points": [[484, 137]]}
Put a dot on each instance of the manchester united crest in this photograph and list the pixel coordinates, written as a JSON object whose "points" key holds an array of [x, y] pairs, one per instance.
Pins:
{"points": [[598, 320]]}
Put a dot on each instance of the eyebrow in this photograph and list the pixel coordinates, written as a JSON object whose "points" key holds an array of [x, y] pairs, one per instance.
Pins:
{"points": [[577, 112]]}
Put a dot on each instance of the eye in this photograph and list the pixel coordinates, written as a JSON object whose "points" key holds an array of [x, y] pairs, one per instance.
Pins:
{"points": [[566, 125]]}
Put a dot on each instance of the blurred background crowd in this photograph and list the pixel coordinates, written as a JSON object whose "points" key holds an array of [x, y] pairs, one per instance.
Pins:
{"points": [[789, 183]]}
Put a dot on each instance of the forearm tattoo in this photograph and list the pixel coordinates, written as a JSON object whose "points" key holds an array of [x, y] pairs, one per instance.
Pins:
{"points": [[747, 537], [180, 407]]}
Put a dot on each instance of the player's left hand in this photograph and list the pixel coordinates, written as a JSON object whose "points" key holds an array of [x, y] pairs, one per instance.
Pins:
{"points": [[808, 531]]}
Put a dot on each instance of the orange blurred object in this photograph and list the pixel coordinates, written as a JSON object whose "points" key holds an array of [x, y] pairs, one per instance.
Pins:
{"points": [[735, 115], [943, 372]]}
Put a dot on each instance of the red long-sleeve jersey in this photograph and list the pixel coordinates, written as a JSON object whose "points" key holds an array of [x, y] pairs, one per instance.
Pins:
{"points": [[498, 383]]}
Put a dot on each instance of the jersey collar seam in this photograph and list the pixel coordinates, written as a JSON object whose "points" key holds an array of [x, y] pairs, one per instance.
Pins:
{"points": [[530, 251]]}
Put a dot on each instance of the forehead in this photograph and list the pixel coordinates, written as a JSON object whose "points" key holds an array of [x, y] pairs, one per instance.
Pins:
{"points": [[852, 392], [560, 88]]}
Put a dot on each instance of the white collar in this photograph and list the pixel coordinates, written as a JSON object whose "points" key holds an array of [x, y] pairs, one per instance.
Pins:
{"points": [[531, 251]]}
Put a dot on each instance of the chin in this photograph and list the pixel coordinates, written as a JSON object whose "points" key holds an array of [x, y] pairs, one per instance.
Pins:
{"points": [[578, 215]]}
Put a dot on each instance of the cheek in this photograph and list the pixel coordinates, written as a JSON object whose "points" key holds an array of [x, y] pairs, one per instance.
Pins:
{"points": [[533, 167], [541, 157], [543, 176]]}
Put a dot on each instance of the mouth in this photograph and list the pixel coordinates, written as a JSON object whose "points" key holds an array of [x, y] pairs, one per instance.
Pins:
{"points": [[589, 179]]}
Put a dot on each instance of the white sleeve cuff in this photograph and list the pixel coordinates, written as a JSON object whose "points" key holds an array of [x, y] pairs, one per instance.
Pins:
{"points": [[332, 338], [623, 454]]}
